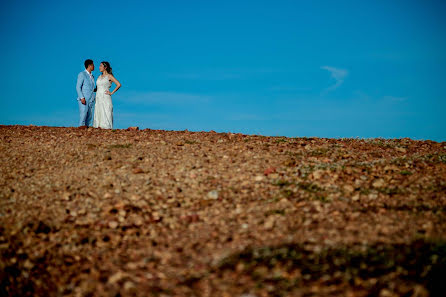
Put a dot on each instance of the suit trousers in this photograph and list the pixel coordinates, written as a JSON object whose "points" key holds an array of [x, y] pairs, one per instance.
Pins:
{"points": [[85, 113]]}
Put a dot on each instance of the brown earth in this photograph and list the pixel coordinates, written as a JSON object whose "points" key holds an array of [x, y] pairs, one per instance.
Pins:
{"points": [[91, 212]]}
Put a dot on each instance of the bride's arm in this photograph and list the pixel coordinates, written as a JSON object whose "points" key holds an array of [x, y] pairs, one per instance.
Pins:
{"points": [[118, 84]]}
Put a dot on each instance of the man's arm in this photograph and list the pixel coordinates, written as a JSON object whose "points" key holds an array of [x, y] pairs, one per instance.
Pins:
{"points": [[80, 82]]}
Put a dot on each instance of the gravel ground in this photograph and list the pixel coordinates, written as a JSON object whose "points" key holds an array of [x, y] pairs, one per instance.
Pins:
{"points": [[91, 212]]}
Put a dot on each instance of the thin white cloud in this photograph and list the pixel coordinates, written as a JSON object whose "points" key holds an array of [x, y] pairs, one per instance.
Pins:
{"points": [[337, 74]]}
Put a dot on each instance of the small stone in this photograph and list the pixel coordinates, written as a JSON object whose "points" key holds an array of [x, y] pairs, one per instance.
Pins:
{"points": [[318, 174], [290, 163], [28, 264], [138, 221], [156, 217], [213, 194], [66, 196], [349, 188], [373, 196], [132, 265], [378, 183], [138, 170], [258, 178], [269, 170], [401, 149], [386, 293], [116, 277], [128, 285], [269, 223], [113, 224], [420, 291], [391, 168], [190, 218], [273, 175], [133, 128]]}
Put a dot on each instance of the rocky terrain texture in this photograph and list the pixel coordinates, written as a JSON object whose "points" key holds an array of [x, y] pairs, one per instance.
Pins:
{"points": [[91, 212]]}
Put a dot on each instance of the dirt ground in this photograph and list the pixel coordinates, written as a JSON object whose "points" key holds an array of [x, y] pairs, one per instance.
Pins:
{"points": [[91, 212]]}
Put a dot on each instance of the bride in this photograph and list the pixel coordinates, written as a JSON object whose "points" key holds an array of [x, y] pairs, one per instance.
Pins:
{"points": [[103, 109]]}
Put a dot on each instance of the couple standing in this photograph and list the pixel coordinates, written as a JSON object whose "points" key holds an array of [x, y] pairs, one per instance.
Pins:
{"points": [[86, 87]]}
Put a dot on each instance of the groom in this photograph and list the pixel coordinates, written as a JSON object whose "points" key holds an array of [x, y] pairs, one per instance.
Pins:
{"points": [[85, 88]]}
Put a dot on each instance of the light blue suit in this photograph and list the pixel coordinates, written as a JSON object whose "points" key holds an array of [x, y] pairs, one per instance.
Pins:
{"points": [[85, 89]]}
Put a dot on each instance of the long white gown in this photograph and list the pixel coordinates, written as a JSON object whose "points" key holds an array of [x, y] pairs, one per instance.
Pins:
{"points": [[103, 108]]}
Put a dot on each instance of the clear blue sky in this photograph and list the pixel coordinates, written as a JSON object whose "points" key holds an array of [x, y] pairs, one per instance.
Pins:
{"points": [[293, 68]]}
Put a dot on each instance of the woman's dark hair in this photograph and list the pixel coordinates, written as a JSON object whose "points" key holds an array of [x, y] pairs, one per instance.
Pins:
{"points": [[107, 67], [88, 62]]}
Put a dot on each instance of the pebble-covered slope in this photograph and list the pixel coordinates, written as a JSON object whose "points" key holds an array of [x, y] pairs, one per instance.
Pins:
{"points": [[91, 212]]}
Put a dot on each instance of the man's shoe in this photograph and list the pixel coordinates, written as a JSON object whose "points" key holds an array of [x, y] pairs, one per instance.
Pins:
{"points": [[82, 127]]}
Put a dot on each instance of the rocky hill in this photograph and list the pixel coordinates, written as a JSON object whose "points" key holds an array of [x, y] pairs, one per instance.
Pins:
{"points": [[91, 212]]}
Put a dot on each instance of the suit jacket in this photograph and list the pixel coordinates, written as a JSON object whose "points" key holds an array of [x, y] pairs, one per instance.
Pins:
{"points": [[85, 86]]}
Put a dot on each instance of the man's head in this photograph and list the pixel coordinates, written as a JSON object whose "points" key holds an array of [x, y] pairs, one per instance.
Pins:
{"points": [[89, 65]]}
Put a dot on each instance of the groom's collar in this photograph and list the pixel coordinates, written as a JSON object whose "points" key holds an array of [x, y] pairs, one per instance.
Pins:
{"points": [[88, 72]]}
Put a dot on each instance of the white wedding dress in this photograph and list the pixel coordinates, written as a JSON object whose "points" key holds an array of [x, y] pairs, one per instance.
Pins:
{"points": [[103, 108]]}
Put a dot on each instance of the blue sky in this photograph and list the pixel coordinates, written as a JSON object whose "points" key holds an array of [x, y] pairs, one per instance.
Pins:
{"points": [[290, 68]]}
